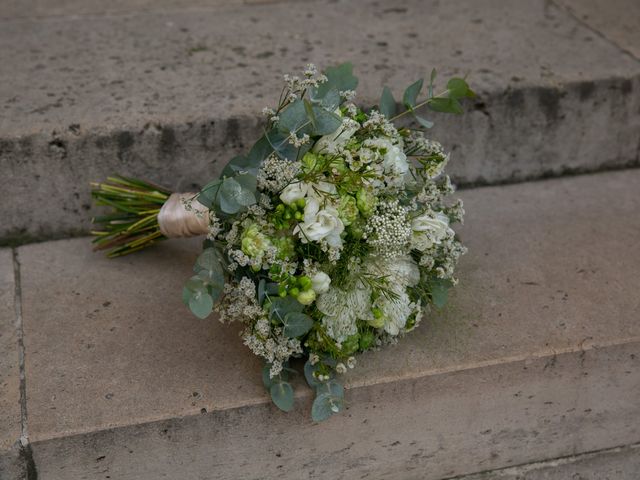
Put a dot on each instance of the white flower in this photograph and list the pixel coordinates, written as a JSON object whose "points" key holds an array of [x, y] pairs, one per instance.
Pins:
{"points": [[340, 368], [430, 229], [332, 142], [395, 160], [293, 192], [401, 270], [341, 309], [320, 224], [320, 282], [396, 311]]}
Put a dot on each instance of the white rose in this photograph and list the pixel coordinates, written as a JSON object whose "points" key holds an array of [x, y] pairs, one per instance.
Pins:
{"points": [[320, 282], [430, 229], [395, 160], [294, 192], [320, 224]]}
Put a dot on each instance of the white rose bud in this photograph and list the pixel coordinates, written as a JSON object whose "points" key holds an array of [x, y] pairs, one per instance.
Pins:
{"points": [[320, 282]]}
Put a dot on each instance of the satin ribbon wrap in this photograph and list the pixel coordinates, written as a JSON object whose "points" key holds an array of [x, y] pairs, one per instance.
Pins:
{"points": [[174, 221]]}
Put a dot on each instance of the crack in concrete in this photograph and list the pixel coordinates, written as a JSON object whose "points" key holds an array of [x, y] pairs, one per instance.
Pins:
{"points": [[595, 31], [26, 451]]}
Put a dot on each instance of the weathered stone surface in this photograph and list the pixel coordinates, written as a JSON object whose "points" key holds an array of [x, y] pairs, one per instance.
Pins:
{"points": [[171, 95], [616, 20], [617, 464], [536, 357], [10, 424]]}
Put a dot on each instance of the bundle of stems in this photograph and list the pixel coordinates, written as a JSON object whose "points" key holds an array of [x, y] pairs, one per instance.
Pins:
{"points": [[133, 223]]}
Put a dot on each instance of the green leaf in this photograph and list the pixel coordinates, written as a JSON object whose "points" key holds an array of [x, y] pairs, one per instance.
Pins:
{"points": [[296, 324], [209, 193], [410, 96], [240, 164], [281, 146], [339, 79], [326, 122], [280, 307], [331, 100], [201, 304], [423, 121], [440, 291], [432, 79], [266, 376], [233, 197], [282, 395], [194, 285], [248, 182], [387, 103], [209, 268], [325, 405], [458, 88], [294, 118], [260, 150], [446, 105], [308, 374]]}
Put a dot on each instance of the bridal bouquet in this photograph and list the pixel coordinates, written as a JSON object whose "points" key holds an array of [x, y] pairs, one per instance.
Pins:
{"points": [[331, 237]]}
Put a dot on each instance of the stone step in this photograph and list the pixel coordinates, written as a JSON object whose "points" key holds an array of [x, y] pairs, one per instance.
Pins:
{"points": [[170, 91], [537, 356]]}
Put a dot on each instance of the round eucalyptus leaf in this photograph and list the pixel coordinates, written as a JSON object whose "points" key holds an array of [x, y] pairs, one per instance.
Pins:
{"points": [[308, 374], [282, 395], [296, 324], [325, 405], [201, 304]]}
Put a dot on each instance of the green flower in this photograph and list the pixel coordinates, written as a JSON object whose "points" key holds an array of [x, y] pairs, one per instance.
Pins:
{"points": [[366, 202], [286, 247], [309, 162], [348, 209], [307, 297], [254, 242]]}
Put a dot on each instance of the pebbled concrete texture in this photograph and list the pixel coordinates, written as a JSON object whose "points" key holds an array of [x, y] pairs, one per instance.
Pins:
{"points": [[536, 357], [11, 463], [615, 464], [170, 95]]}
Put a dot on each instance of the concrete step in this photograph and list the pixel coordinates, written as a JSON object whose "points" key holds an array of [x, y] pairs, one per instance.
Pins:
{"points": [[536, 357], [170, 90]]}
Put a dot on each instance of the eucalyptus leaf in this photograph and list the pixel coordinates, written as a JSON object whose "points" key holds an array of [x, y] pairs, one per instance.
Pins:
{"points": [[280, 144], [446, 105], [423, 121], [240, 164], [233, 197], [209, 192], [325, 405], [260, 150], [294, 118], [194, 285], [296, 324], [339, 79], [201, 304], [282, 395], [440, 291], [410, 96], [459, 88], [432, 79], [326, 122], [261, 290], [387, 103], [281, 306], [209, 267], [308, 374]]}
